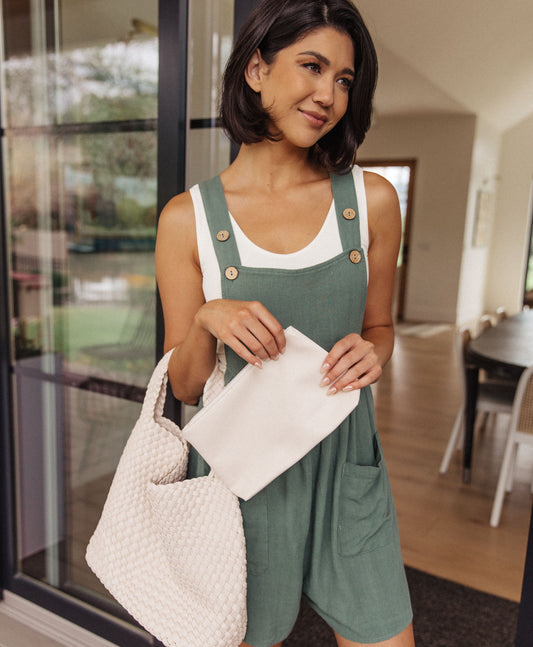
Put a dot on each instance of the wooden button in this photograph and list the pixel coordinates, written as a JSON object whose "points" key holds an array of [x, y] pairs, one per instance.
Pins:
{"points": [[355, 256], [231, 273], [349, 214], [223, 235]]}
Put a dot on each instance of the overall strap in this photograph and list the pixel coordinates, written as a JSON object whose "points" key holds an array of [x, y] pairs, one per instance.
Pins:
{"points": [[347, 209], [216, 211]]}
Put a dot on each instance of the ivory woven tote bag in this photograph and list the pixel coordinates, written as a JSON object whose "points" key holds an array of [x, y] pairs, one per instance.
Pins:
{"points": [[171, 551]]}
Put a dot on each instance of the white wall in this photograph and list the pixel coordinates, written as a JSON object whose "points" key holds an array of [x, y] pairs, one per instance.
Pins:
{"points": [[509, 245], [443, 148], [484, 177]]}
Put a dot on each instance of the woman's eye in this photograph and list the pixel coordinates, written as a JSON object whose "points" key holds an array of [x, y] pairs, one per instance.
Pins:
{"points": [[314, 67], [346, 83]]}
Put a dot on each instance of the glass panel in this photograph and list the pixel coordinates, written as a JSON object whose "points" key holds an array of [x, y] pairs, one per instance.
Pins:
{"points": [[83, 309], [81, 213], [211, 28], [208, 153], [82, 235], [27, 64], [106, 65], [89, 61]]}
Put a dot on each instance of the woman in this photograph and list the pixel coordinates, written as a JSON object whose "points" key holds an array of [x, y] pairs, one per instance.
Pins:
{"points": [[310, 242]]}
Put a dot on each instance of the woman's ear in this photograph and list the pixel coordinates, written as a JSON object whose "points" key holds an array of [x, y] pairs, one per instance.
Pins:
{"points": [[252, 73]]}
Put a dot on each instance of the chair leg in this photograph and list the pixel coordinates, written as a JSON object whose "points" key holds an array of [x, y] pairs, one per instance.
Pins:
{"points": [[455, 437], [512, 469], [502, 481]]}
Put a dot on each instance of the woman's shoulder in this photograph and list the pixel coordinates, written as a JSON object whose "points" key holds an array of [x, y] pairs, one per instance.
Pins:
{"points": [[177, 216], [383, 207], [178, 212], [176, 228], [381, 195]]}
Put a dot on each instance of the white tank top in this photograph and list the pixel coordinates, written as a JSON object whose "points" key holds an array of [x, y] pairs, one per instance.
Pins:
{"points": [[327, 243]]}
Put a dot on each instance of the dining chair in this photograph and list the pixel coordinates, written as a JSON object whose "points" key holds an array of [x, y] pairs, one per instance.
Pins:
{"points": [[485, 322], [520, 433], [501, 314], [493, 398], [498, 374]]}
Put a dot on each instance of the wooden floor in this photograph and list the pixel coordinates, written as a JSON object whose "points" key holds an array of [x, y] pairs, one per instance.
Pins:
{"points": [[444, 524]]}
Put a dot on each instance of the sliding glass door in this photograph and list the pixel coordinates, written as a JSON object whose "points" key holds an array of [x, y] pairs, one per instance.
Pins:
{"points": [[86, 88], [79, 105]]}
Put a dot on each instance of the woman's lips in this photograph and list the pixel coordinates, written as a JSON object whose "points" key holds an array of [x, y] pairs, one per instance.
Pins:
{"points": [[314, 118]]}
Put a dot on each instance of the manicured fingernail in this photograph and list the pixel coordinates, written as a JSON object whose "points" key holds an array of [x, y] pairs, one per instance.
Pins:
{"points": [[325, 368], [258, 364], [282, 350], [332, 391], [276, 358], [348, 388], [325, 381]]}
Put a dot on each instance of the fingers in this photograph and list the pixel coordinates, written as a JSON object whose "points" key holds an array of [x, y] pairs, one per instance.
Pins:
{"points": [[259, 331], [243, 352], [271, 334], [245, 326], [351, 364]]}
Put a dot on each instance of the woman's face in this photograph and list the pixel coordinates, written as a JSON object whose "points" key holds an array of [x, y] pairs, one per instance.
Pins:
{"points": [[307, 86]]}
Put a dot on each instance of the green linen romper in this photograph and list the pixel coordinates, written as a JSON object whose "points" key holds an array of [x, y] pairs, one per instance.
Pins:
{"points": [[326, 528]]}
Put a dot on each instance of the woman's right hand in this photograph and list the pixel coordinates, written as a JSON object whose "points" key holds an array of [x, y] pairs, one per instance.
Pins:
{"points": [[247, 327]]}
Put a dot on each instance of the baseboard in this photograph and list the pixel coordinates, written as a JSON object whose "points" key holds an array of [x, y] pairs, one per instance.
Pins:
{"points": [[48, 624]]}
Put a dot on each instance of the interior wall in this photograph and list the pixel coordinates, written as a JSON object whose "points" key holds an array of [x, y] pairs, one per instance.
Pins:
{"points": [[510, 244], [479, 222], [443, 148]]}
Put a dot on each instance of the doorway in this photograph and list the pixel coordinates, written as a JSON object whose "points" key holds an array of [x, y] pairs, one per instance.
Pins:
{"points": [[401, 174]]}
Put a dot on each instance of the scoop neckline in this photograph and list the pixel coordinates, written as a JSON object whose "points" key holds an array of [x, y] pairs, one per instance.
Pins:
{"points": [[262, 250]]}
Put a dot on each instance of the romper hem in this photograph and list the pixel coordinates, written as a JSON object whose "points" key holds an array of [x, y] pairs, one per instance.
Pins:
{"points": [[348, 633]]}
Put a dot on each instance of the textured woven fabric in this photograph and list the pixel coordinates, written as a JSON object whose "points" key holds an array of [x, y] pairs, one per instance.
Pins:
{"points": [[170, 550]]}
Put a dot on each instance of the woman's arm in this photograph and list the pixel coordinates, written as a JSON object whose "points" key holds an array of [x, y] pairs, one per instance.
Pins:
{"points": [[192, 326], [385, 225], [363, 356], [179, 280]]}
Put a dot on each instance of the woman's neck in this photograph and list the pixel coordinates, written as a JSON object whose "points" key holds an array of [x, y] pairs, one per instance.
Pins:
{"points": [[272, 166]]}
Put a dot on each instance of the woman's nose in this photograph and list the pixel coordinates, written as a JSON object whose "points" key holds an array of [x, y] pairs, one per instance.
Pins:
{"points": [[324, 91]]}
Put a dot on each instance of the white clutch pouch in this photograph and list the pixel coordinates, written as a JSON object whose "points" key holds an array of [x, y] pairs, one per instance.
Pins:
{"points": [[265, 420]]}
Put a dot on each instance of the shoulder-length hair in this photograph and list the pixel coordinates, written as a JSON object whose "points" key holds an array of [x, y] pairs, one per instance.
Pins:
{"points": [[274, 25]]}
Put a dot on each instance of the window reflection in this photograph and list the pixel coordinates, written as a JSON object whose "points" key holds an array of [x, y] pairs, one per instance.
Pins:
{"points": [[68, 68], [115, 82], [83, 262]]}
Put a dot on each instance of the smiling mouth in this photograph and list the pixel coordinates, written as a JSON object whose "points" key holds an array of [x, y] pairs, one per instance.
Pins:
{"points": [[314, 118]]}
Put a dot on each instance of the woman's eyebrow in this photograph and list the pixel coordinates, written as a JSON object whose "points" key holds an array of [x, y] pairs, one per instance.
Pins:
{"points": [[326, 61]]}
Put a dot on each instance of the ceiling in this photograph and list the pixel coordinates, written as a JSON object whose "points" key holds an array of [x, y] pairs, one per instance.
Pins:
{"points": [[458, 56]]}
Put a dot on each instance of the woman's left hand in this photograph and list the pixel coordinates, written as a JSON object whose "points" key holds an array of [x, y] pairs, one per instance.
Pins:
{"points": [[351, 364]]}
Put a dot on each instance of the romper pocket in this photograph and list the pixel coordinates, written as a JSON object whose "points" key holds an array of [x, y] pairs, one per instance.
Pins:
{"points": [[255, 521], [366, 507]]}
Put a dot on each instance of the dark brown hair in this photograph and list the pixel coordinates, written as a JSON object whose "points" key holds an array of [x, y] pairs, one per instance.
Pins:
{"points": [[274, 25]]}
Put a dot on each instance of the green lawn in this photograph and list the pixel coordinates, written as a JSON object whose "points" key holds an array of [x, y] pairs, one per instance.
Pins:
{"points": [[78, 328]]}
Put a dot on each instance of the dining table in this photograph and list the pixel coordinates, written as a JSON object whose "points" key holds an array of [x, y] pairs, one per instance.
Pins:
{"points": [[506, 348]]}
